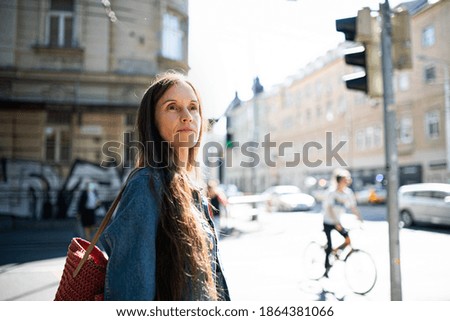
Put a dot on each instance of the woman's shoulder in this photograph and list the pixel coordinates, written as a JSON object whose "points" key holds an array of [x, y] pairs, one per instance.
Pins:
{"points": [[140, 175], [142, 192], [142, 179]]}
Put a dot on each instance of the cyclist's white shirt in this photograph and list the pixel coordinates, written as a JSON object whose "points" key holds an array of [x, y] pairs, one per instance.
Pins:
{"points": [[339, 201]]}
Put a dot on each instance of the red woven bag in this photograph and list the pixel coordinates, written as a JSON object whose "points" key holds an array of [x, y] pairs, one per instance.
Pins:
{"points": [[89, 283], [83, 277]]}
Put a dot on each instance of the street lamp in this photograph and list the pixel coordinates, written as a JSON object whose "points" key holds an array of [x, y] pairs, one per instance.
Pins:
{"points": [[446, 102]]}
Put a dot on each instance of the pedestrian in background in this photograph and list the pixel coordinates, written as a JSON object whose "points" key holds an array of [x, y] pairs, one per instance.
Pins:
{"points": [[339, 198], [161, 243], [87, 205], [217, 200]]}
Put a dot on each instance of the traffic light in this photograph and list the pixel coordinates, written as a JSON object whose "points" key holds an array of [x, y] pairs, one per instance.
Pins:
{"points": [[229, 142], [363, 29], [401, 40], [229, 139]]}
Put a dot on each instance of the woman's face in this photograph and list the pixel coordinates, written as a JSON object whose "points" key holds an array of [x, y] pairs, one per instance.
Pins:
{"points": [[177, 116]]}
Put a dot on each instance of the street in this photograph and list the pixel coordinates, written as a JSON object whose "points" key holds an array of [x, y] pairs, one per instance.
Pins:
{"points": [[262, 258], [265, 262]]}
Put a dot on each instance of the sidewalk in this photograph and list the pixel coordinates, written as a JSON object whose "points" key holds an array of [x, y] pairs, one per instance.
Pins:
{"points": [[11, 223]]}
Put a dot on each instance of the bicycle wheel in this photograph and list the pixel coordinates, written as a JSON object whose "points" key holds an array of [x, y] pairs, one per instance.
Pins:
{"points": [[360, 271], [314, 261]]}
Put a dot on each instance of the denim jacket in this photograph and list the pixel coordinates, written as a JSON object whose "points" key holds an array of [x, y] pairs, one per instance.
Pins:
{"points": [[130, 242]]}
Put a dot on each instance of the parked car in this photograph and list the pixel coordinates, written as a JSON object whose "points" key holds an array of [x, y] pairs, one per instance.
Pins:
{"points": [[288, 198], [424, 203], [371, 195], [378, 195]]}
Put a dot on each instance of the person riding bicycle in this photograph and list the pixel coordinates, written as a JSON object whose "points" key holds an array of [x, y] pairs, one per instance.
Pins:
{"points": [[339, 198]]}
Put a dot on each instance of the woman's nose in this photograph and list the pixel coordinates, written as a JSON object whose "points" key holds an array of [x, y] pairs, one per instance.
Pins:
{"points": [[186, 116]]}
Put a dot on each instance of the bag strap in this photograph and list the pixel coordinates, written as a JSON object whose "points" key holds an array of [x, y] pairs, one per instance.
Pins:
{"points": [[103, 224]]}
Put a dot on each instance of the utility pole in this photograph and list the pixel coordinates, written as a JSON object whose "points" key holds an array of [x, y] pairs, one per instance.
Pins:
{"points": [[257, 89], [391, 154]]}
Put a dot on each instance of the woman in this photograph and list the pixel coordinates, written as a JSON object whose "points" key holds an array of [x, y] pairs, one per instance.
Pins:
{"points": [[161, 245]]}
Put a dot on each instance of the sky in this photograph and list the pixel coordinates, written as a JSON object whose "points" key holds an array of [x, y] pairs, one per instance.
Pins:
{"points": [[233, 41]]}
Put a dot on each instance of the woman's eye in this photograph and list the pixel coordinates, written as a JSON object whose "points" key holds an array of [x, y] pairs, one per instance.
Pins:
{"points": [[172, 107], [194, 107]]}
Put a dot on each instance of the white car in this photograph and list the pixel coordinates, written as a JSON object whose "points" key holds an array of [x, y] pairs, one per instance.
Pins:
{"points": [[425, 203], [288, 198]]}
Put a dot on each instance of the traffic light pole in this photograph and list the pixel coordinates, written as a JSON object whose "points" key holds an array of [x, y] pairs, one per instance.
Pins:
{"points": [[360, 29], [390, 137]]}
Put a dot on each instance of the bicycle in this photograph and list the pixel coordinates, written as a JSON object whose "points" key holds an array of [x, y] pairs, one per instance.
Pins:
{"points": [[360, 270]]}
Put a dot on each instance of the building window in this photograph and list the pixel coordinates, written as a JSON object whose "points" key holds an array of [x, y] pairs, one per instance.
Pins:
{"points": [[369, 138], [428, 36], [329, 88], [360, 141], [403, 81], [299, 98], [318, 112], [173, 37], [130, 119], [319, 88], [377, 137], [57, 144], [432, 124], [344, 138], [342, 105], [60, 23], [57, 117], [290, 100], [430, 74], [329, 111], [308, 90], [308, 114], [405, 130]]}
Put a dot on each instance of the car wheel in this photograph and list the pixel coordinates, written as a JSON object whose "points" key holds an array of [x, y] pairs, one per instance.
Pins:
{"points": [[406, 218]]}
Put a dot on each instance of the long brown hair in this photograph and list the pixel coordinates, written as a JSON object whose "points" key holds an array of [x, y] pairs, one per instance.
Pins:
{"points": [[182, 257]]}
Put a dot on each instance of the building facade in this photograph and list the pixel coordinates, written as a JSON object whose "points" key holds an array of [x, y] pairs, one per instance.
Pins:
{"points": [[72, 73], [315, 124]]}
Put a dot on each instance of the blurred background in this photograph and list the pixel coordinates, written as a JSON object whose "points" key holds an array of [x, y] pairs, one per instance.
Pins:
{"points": [[72, 73]]}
